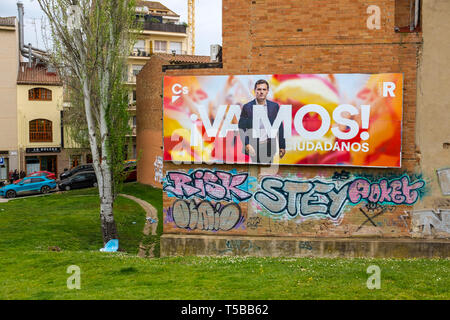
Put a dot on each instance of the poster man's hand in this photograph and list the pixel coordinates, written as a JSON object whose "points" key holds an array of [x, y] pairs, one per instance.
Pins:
{"points": [[282, 153], [249, 150]]}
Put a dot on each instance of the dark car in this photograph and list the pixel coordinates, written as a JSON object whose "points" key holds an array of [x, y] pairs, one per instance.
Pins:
{"points": [[130, 171], [80, 180], [77, 169]]}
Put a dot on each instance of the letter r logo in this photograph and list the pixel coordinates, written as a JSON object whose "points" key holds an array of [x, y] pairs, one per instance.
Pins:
{"points": [[388, 88]]}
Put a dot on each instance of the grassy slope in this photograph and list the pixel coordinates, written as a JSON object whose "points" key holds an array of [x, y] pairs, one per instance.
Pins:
{"points": [[28, 270]]}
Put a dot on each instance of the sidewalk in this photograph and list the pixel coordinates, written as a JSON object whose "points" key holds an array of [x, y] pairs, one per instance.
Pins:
{"points": [[151, 223]]}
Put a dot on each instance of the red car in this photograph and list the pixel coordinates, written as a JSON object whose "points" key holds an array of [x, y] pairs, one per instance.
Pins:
{"points": [[131, 173], [47, 174]]}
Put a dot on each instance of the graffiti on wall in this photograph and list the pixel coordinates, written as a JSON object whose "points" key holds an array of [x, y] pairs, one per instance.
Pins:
{"points": [[190, 215], [207, 184], [158, 169], [429, 222], [396, 191], [444, 180], [240, 247], [305, 198], [312, 198], [206, 200]]}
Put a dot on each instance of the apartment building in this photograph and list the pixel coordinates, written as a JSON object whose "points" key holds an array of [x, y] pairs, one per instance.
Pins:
{"points": [[162, 33], [9, 62], [39, 106]]}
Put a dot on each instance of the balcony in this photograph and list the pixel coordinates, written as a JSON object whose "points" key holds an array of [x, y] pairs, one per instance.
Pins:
{"points": [[133, 132], [131, 79], [139, 53], [163, 27]]}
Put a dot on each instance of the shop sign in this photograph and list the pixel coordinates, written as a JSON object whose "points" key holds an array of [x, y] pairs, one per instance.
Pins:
{"points": [[43, 149]]}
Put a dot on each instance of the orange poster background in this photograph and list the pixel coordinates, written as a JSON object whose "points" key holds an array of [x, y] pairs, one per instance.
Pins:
{"points": [[183, 95]]}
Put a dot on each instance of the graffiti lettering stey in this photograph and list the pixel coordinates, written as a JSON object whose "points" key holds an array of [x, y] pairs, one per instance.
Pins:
{"points": [[304, 198], [319, 198]]}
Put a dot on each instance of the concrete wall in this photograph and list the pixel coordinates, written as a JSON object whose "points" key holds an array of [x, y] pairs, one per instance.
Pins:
{"points": [[9, 64], [289, 37], [433, 103]]}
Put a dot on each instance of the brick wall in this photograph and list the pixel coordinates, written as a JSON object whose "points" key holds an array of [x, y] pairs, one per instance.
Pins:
{"points": [[286, 37]]}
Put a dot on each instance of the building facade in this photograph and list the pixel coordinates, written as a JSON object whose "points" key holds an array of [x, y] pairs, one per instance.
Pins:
{"points": [[39, 115], [162, 33], [338, 37], [9, 62]]}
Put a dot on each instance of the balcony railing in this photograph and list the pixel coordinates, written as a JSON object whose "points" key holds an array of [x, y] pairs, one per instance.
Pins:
{"points": [[164, 27], [139, 53], [43, 136], [131, 79]]}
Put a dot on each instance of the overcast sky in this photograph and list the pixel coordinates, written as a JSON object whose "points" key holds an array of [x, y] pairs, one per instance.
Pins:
{"points": [[208, 21]]}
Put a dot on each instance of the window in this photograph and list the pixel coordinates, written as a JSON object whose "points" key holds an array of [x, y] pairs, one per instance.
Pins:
{"points": [[407, 16], [136, 69], [139, 49], [28, 181], [175, 46], [40, 94], [41, 130], [140, 45], [80, 177], [160, 46], [75, 160], [34, 180]]}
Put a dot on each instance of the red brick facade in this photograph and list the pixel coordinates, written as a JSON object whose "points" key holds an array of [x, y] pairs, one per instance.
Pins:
{"points": [[290, 37]]}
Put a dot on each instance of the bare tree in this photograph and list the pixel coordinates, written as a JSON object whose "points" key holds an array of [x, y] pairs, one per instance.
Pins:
{"points": [[91, 41]]}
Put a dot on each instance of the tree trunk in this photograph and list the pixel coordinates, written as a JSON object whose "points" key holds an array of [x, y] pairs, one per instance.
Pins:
{"points": [[109, 230]]}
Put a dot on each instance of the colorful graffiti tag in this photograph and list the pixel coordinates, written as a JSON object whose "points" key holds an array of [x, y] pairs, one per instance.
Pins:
{"points": [[396, 191], [205, 216], [305, 198], [426, 222], [211, 201], [207, 184], [312, 198]]}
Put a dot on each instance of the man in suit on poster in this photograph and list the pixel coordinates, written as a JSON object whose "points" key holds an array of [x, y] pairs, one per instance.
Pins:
{"points": [[262, 149]]}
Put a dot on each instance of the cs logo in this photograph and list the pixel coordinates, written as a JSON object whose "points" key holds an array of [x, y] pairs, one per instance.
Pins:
{"points": [[177, 90]]}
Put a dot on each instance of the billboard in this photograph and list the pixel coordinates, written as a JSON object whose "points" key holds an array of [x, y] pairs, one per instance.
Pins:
{"points": [[296, 119]]}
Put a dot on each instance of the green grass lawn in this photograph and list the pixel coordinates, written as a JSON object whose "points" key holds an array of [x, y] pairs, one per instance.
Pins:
{"points": [[70, 221]]}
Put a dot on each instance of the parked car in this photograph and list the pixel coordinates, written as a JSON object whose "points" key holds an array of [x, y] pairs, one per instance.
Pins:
{"points": [[130, 171], [85, 179], [47, 174], [28, 185], [77, 169]]}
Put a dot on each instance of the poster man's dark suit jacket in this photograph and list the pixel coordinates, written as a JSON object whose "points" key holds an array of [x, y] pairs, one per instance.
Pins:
{"points": [[246, 122]]}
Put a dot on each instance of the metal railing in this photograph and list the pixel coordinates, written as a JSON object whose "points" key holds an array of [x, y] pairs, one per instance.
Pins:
{"points": [[41, 136], [139, 53], [164, 27]]}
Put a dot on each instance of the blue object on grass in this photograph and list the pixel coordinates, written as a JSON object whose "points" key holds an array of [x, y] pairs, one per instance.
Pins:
{"points": [[111, 246], [150, 220]]}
